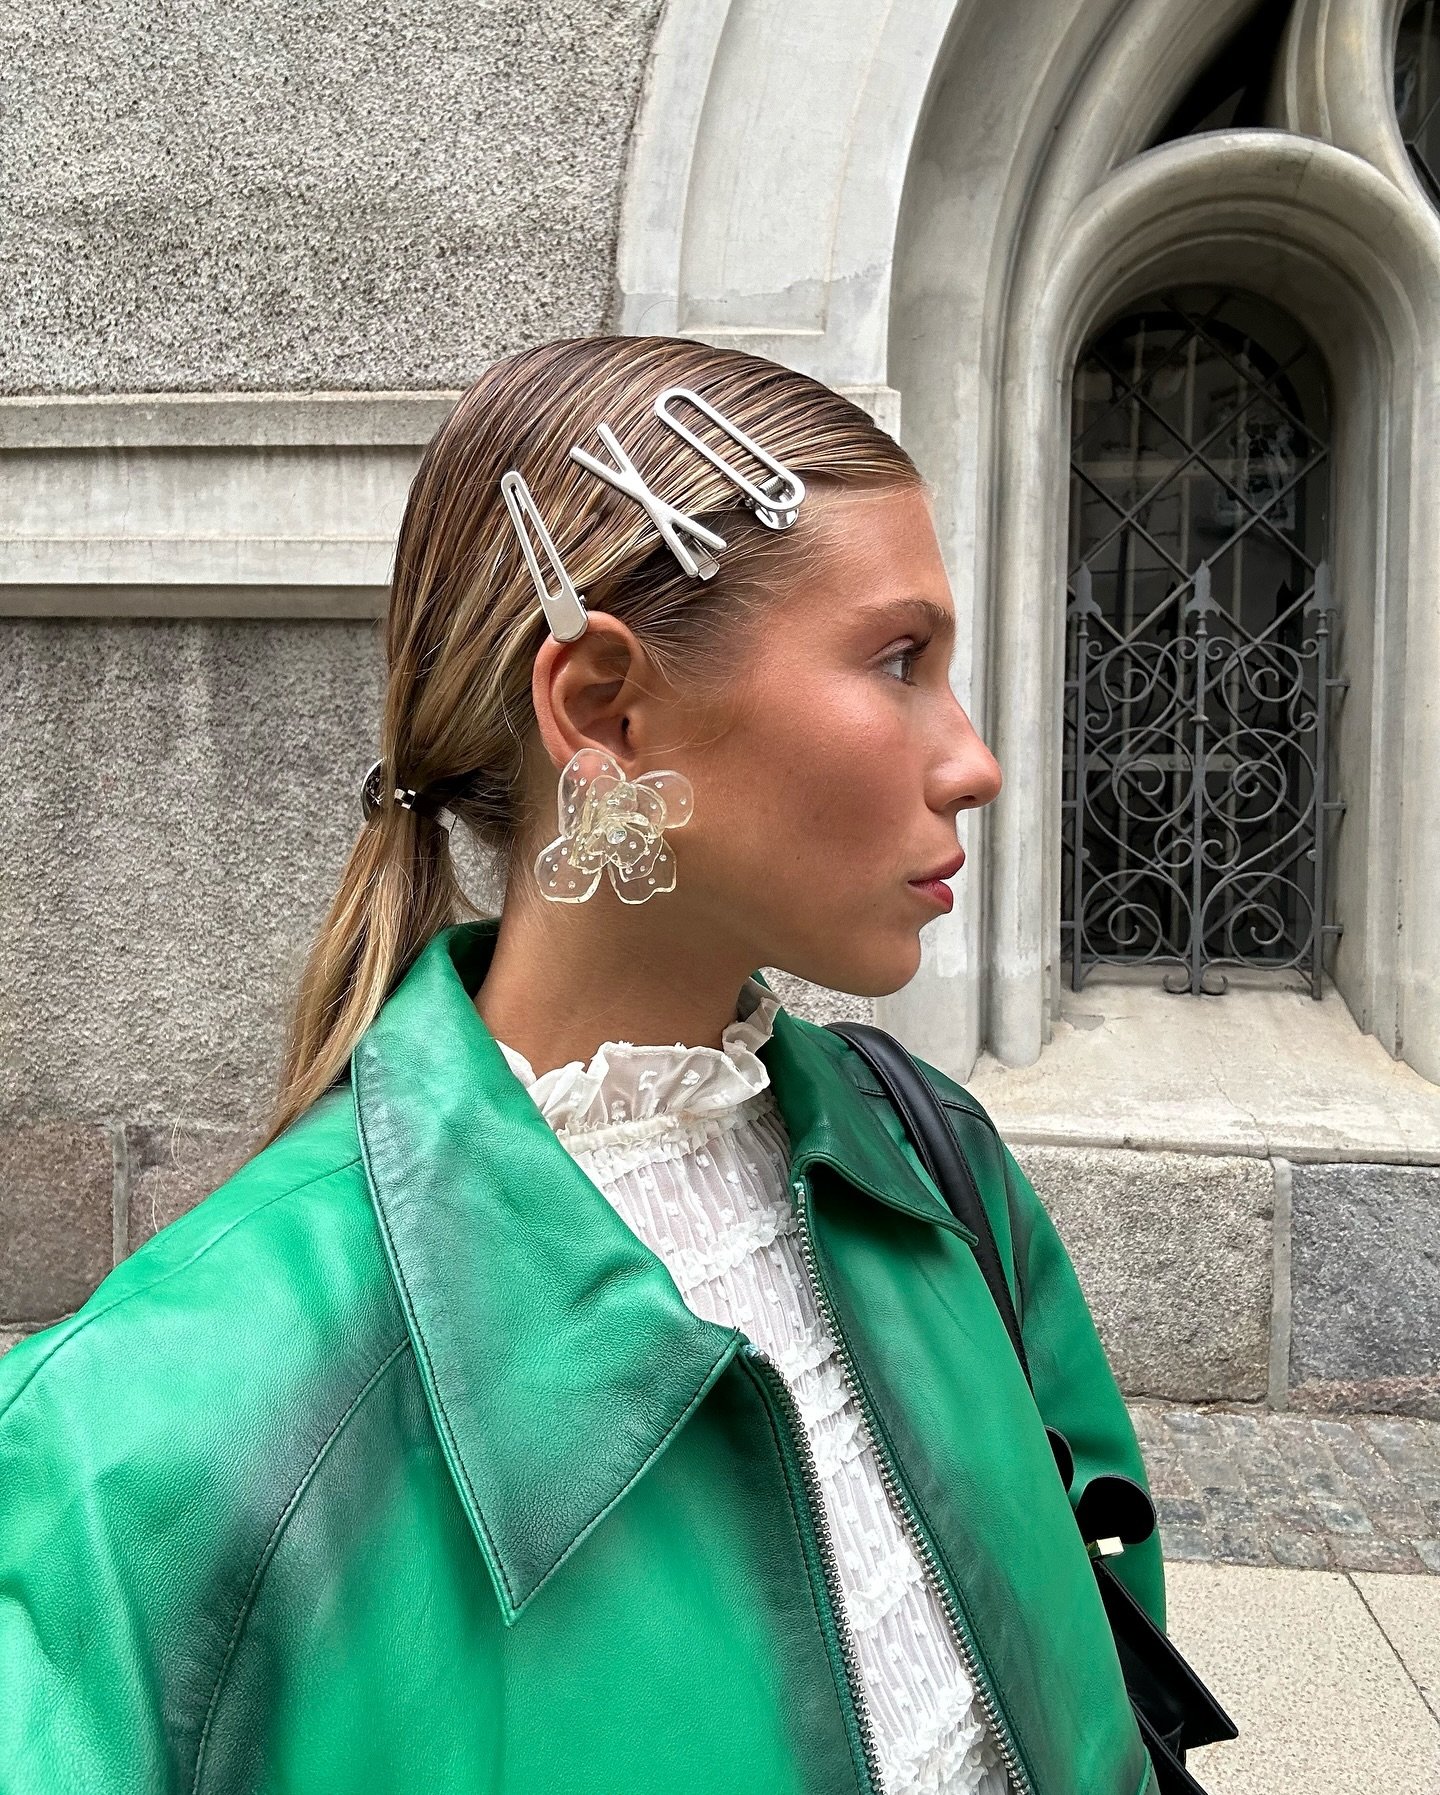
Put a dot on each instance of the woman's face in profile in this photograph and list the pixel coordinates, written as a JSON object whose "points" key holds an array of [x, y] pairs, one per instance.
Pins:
{"points": [[832, 767]]}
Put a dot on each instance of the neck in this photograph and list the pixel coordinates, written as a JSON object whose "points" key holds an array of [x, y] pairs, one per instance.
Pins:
{"points": [[564, 978]]}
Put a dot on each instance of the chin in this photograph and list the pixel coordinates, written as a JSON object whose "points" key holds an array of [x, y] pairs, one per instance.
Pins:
{"points": [[877, 968]]}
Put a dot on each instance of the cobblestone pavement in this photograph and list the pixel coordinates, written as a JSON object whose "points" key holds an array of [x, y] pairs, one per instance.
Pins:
{"points": [[1331, 1492]]}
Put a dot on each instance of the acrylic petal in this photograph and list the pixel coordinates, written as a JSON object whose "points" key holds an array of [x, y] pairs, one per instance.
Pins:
{"points": [[646, 863], [641, 886], [563, 876], [589, 772], [676, 792]]}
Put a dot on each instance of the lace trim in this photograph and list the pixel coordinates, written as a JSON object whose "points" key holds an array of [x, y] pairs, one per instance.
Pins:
{"points": [[879, 1596], [691, 1267], [948, 1753], [811, 1347], [626, 1083], [630, 1143], [840, 1446]]}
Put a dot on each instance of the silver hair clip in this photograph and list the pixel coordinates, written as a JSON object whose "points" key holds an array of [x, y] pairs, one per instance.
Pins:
{"points": [[565, 609], [371, 797], [668, 520], [776, 504]]}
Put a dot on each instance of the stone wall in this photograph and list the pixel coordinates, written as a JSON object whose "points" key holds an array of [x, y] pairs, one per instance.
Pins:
{"points": [[1226, 1278], [207, 199], [181, 797], [278, 195]]}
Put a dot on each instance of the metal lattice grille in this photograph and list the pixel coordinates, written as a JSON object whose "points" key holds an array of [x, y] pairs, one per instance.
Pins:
{"points": [[1200, 639], [1417, 91]]}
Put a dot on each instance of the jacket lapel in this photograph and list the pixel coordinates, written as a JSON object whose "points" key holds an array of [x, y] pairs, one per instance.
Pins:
{"points": [[557, 1355]]}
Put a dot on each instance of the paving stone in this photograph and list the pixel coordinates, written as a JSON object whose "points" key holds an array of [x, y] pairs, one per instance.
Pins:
{"points": [[57, 1182], [1374, 1555], [171, 1169], [1324, 1694], [1301, 1551], [1342, 1517], [1173, 1512], [1365, 1287], [1408, 1612], [1258, 1487], [1188, 1542], [1408, 1446]]}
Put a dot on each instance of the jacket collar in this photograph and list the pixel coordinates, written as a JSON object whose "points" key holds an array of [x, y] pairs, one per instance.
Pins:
{"points": [[557, 1355]]}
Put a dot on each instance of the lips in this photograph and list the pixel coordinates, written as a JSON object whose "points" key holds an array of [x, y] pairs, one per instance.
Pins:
{"points": [[945, 871]]}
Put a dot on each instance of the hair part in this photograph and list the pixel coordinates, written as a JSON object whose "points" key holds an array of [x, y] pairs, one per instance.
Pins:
{"points": [[464, 621]]}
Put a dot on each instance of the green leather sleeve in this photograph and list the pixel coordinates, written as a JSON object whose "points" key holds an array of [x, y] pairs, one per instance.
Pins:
{"points": [[1075, 1387], [83, 1703], [148, 1445]]}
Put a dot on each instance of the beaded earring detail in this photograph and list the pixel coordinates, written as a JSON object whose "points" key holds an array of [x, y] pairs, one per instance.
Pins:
{"points": [[611, 823]]}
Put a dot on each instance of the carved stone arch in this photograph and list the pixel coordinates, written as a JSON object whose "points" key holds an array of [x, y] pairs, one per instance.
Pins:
{"points": [[930, 206], [765, 176], [1336, 81]]}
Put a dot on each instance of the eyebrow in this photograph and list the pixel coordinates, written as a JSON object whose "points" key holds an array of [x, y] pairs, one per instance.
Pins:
{"points": [[936, 616]]}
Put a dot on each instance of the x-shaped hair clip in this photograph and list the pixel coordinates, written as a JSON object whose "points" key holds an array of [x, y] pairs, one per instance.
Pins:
{"points": [[776, 504]]}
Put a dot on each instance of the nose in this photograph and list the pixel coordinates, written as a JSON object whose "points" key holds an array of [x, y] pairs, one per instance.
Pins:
{"points": [[971, 776]]}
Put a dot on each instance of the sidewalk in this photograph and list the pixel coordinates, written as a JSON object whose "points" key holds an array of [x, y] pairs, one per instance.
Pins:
{"points": [[1331, 1674], [1333, 1677]]}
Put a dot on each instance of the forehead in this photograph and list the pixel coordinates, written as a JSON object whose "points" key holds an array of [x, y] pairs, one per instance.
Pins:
{"points": [[870, 551]]}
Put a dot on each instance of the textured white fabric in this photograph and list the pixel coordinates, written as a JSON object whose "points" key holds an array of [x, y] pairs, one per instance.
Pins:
{"points": [[689, 1146]]}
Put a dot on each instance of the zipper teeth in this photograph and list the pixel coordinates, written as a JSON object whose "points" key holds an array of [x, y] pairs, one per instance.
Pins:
{"points": [[999, 1731], [825, 1540]]}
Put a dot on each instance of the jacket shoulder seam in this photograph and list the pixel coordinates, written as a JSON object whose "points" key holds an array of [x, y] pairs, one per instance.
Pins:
{"points": [[74, 1333], [272, 1543]]}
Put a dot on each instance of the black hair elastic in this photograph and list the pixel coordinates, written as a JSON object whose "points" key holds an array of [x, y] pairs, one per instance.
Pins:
{"points": [[372, 791]]}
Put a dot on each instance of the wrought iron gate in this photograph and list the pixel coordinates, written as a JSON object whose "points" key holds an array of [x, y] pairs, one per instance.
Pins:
{"points": [[1196, 733]]}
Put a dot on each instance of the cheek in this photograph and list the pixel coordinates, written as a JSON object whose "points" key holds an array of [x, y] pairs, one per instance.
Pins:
{"points": [[828, 760]]}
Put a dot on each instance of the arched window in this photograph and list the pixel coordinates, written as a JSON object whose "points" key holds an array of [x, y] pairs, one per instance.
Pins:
{"points": [[1199, 668], [1417, 90]]}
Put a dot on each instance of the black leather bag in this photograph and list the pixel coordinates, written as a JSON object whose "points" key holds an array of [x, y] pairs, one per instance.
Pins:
{"points": [[1174, 1709]]}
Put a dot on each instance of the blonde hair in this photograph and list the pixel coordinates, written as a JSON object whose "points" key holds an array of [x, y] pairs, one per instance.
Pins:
{"points": [[464, 622]]}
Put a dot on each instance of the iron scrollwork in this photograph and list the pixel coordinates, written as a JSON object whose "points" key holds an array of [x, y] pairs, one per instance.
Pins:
{"points": [[1197, 790]]}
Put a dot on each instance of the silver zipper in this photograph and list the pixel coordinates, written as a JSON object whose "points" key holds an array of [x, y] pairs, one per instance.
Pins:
{"points": [[824, 1539], [1000, 1732]]}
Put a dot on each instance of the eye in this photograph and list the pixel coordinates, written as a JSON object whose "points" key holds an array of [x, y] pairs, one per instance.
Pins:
{"points": [[908, 654]]}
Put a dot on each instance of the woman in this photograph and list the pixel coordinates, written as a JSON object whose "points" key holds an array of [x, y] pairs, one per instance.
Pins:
{"points": [[585, 1389]]}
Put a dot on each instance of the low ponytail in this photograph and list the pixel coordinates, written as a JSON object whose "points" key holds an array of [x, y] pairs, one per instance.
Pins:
{"points": [[464, 623], [398, 889]]}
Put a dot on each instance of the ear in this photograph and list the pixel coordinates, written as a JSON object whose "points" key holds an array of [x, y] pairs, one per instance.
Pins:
{"points": [[600, 690]]}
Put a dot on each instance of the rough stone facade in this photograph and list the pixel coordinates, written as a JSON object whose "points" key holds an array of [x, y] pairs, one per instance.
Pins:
{"points": [[279, 195], [296, 199]]}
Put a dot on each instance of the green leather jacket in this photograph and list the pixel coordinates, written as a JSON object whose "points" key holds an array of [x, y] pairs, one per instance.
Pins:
{"points": [[399, 1464]]}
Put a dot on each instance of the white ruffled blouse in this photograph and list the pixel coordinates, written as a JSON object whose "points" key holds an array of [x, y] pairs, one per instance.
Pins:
{"points": [[689, 1146]]}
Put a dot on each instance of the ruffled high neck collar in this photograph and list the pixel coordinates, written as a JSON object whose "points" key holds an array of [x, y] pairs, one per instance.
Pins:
{"points": [[625, 1083]]}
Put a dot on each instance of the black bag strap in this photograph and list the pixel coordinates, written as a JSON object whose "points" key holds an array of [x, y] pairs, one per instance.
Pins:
{"points": [[916, 1102], [1175, 1710]]}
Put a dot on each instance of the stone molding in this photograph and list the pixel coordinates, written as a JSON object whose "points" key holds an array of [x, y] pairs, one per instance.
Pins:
{"points": [[206, 505], [218, 504], [765, 176]]}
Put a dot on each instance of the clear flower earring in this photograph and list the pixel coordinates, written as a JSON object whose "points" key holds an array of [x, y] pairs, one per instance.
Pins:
{"points": [[609, 822]]}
